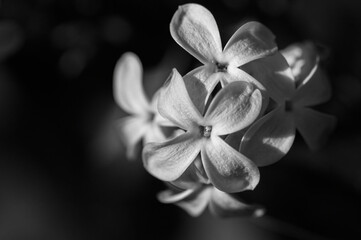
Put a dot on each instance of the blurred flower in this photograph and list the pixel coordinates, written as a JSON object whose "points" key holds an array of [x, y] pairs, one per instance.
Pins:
{"points": [[144, 122], [194, 28], [271, 137], [195, 200], [234, 107]]}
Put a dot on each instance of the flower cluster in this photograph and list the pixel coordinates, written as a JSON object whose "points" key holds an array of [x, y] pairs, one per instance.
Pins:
{"points": [[217, 137]]}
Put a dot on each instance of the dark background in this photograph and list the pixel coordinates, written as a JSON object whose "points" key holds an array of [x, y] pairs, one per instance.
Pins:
{"points": [[63, 174]]}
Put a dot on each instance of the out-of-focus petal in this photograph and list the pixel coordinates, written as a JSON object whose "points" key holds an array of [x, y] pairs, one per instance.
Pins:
{"points": [[225, 205], [301, 57], [195, 205], [274, 73], [132, 129], [200, 83], [175, 104], [314, 91], [251, 41], [194, 176], [194, 28], [170, 196], [153, 134], [315, 127], [234, 107], [193, 201], [270, 138], [155, 99], [168, 160], [128, 89], [228, 170]]}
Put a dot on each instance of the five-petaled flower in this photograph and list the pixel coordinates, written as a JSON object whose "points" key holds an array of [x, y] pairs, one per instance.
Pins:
{"points": [[305, 85], [200, 162], [194, 28], [144, 121], [234, 107]]}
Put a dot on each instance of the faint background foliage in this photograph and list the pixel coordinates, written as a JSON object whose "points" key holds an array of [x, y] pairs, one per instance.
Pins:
{"points": [[63, 173]]}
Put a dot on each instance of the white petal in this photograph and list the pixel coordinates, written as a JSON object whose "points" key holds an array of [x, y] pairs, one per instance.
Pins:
{"points": [[193, 27], [132, 130], [193, 201], [270, 138], [167, 161], [274, 73], [228, 170], [235, 74], [200, 83], [315, 127], [301, 57], [234, 107], [170, 196], [251, 41], [314, 91], [225, 205], [128, 89], [175, 104]]}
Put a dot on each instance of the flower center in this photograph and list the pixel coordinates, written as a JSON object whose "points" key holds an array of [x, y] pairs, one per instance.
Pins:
{"points": [[288, 106], [221, 67], [205, 131]]}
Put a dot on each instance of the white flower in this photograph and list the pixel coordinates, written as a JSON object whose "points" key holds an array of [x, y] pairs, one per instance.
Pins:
{"points": [[144, 121], [234, 107], [302, 87], [194, 28]]}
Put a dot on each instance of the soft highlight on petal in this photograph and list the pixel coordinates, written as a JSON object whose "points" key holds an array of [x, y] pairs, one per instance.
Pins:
{"points": [[251, 41], [175, 104], [167, 161], [194, 28], [128, 89], [170, 196], [228, 170], [274, 73], [270, 138], [315, 127], [301, 57], [225, 205], [234, 107]]}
